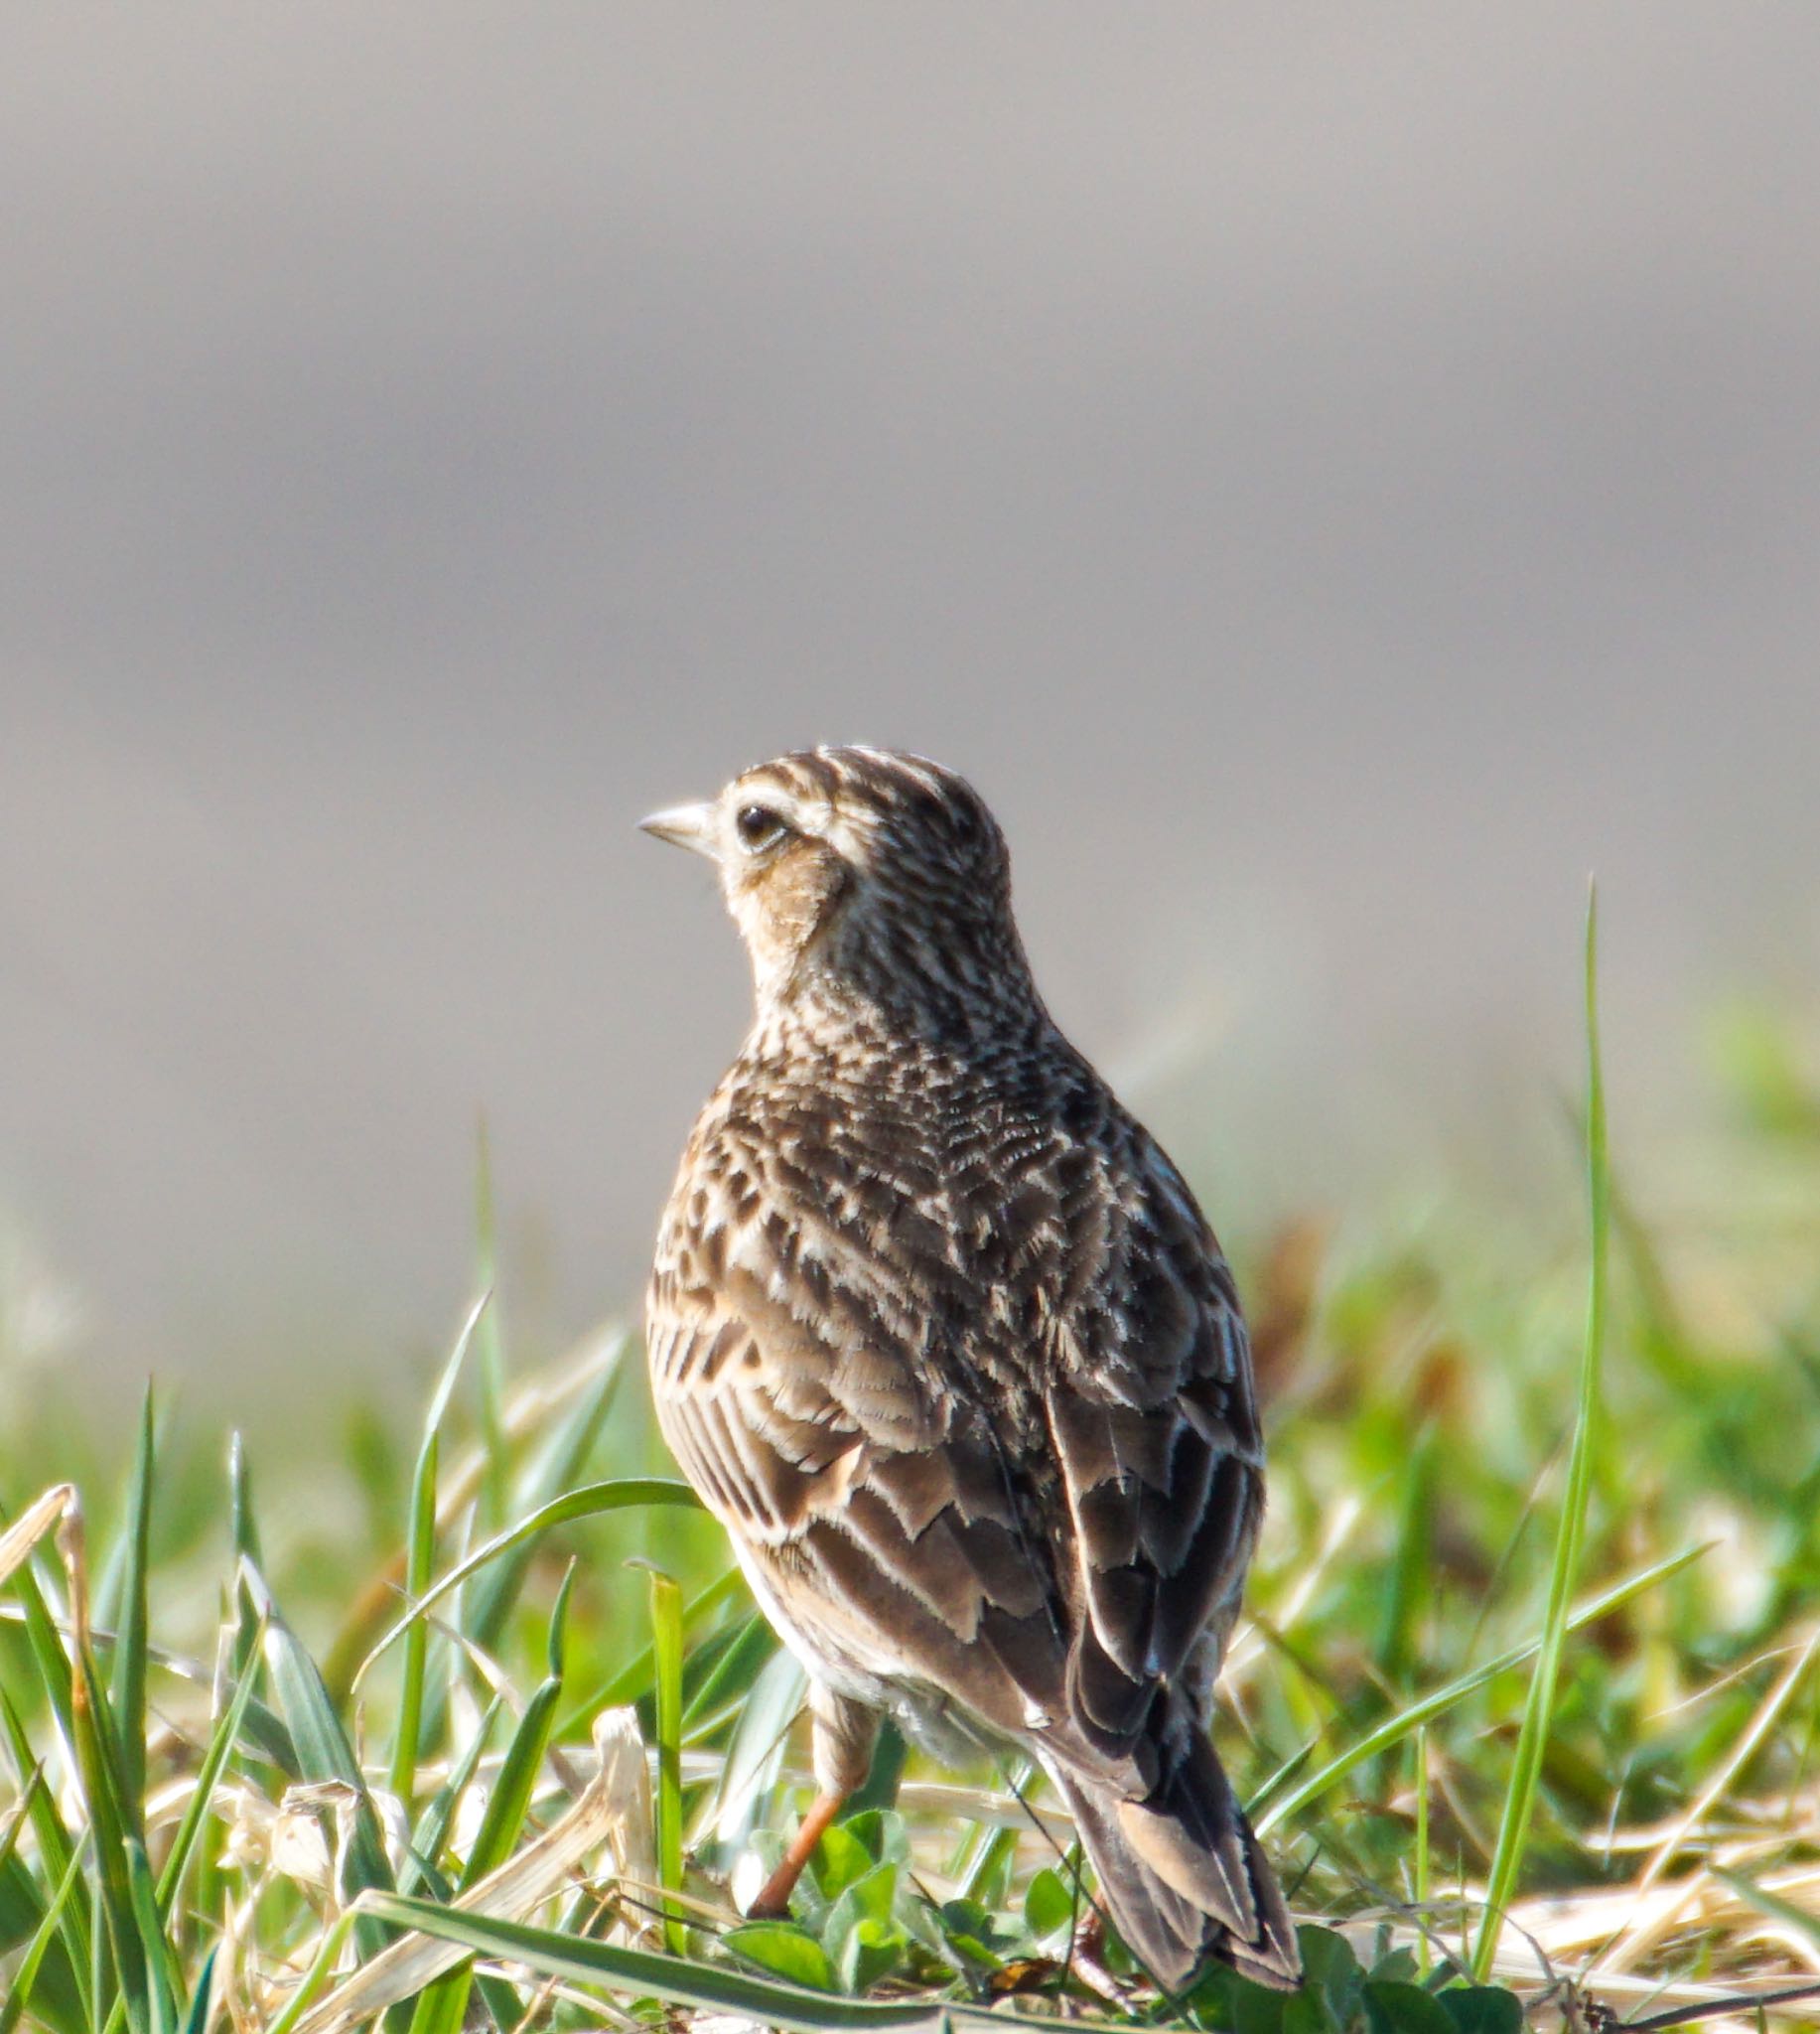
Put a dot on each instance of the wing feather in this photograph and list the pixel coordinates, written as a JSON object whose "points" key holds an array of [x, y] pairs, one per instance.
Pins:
{"points": [[1037, 1500]]}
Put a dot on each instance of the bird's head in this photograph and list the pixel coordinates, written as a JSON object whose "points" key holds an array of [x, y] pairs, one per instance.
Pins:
{"points": [[867, 873]]}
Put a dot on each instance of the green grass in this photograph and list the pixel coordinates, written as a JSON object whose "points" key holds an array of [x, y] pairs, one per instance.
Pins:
{"points": [[1550, 1649], [493, 1735]]}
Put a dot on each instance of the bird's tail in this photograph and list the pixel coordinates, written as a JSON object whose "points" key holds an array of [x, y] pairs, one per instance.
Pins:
{"points": [[1182, 1877]]}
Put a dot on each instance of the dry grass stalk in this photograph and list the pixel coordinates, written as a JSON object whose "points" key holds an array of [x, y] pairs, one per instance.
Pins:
{"points": [[22, 1536], [614, 1811]]}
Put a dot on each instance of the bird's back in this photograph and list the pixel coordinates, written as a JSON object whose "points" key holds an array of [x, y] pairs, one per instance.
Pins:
{"points": [[976, 1237]]}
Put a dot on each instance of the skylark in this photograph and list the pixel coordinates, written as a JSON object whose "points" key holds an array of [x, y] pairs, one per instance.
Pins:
{"points": [[942, 1336]]}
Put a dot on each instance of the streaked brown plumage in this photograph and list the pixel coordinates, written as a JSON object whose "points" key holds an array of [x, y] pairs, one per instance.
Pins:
{"points": [[940, 1333]]}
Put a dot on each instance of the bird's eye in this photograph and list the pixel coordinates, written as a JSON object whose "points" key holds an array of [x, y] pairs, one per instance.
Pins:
{"points": [[759, 827]]}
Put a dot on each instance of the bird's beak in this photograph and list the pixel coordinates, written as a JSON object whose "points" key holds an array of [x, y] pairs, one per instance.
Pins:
{"points": [[691, 826]]}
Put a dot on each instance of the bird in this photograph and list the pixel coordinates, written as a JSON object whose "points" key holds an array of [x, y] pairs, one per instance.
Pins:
{"points": [[940, 1335]]}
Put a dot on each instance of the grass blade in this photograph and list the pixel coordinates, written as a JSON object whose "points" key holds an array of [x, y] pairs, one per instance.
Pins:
{"points": [[126, 1686], [420, 1560], [160, 1978], [645, 1973], [496, 1484], [245, 1521], [755, 1758], [16, 1547], [622, 1493], [518, 1781], [1771, 1904], [1539, 1709], [328, 1948], [632, 1684], [323, 1750], [60, 1857], [110, 1822], [550, 1471], [433, 1831], [221, 1742], [16, 1819], [1395, 1728], [246, 1549], [733, 1662], [666, 1645], [196, 2020], [21, 1538], [443, 2004], [1411, 1567], [1423, 1864], [70, 2005]]}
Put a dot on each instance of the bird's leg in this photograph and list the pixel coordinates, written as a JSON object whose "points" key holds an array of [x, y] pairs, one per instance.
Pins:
{"points": [[774, 1902], [842, 1742]]}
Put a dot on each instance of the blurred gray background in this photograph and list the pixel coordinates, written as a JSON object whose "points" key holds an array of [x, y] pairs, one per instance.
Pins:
{"points": [[1332, 475]]}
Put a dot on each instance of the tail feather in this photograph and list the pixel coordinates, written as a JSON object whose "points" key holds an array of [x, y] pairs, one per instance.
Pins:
{"points": [[1184, 1878]]}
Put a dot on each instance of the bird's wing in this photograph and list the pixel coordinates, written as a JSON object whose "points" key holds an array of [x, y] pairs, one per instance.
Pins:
{"points": [[1053, 1577], [1152, 1415], [873, 1505]]}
